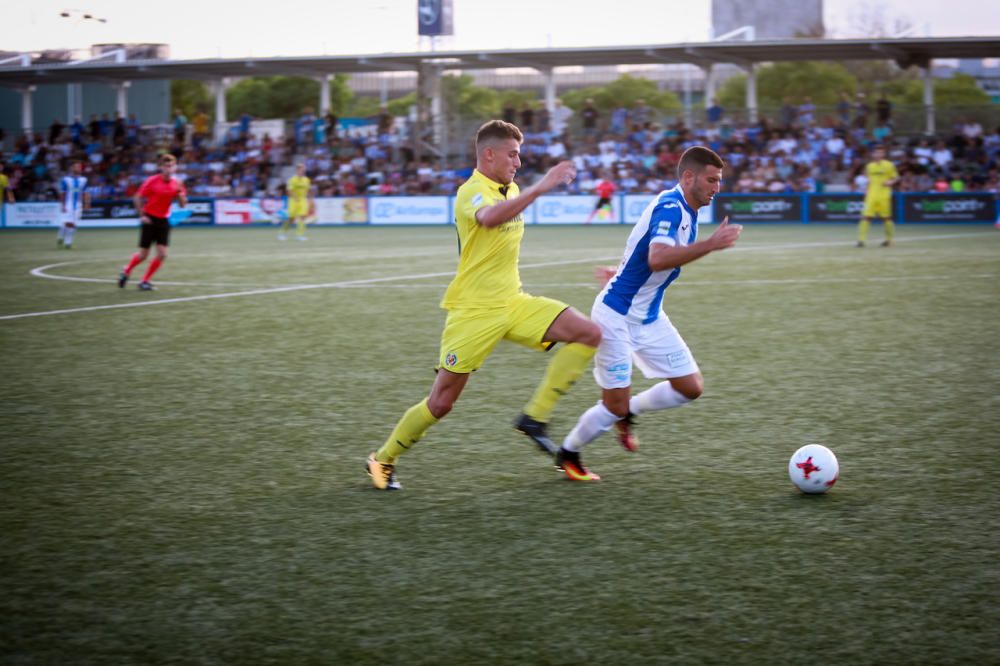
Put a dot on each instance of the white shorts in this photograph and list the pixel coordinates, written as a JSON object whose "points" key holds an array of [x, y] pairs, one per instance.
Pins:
{"points": [[72, 214], [658, 349]]}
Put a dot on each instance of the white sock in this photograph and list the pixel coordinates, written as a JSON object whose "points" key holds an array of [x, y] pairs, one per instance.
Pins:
{"points": [[62, 232], [592, 424], [659, 396], [70, 232]]}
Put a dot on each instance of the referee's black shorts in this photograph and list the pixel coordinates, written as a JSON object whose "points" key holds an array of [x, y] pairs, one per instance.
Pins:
{"points": [[157, 231]]}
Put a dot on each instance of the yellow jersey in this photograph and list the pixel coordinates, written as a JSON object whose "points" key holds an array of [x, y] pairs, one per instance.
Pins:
{"points": [[488, 256], [4, 184], [298, 187], [878, 173]]}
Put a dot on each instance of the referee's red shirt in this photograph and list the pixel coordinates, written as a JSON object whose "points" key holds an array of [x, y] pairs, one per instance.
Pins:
{"points": [[159, 194]]}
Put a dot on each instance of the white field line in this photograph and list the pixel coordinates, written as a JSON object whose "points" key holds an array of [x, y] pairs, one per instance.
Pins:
{"points": [[714, 283], [39, 272]]}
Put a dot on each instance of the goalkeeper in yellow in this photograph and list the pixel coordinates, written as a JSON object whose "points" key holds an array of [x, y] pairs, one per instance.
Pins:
{"points": [[881, 175], [300, 203], [485, 303]]}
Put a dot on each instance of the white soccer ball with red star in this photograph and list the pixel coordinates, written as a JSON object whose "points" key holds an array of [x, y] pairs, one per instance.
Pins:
{"points": [[813, 469]]}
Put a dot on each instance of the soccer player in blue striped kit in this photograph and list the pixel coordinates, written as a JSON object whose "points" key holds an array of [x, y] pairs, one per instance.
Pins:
{"points": [[629, 312], [75, 198]]}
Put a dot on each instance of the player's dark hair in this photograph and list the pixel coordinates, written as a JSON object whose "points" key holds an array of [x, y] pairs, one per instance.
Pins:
{"points": [[696, 158], [166, 157], [497, 130]]}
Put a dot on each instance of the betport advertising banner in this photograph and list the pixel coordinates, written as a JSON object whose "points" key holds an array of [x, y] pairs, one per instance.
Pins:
{"points": [[742, 208], [952, 207], [835, 207]]}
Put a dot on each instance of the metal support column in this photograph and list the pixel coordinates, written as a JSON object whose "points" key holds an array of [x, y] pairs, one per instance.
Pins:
{"points": [[121, 98], [27, 109], [752, 93], [324, 93], [709, 71], [219, 88], [929, 99], [548, 73]]}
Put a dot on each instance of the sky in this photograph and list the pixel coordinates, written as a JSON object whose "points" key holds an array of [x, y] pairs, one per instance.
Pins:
{"points": [[222, 28]]}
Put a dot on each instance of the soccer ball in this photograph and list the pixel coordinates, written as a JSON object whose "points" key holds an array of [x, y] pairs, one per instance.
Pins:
{"points": [[813, 469]]}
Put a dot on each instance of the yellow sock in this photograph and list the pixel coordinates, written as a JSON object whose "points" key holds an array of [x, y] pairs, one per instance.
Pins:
{"points": [[890, 229], [407, 432], [301, 226], [563, 371], [863, 229]]}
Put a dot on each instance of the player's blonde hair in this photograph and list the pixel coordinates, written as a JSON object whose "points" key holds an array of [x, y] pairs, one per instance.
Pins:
{"points": [[497, 130]]}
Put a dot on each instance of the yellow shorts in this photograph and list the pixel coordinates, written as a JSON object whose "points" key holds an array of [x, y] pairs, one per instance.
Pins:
{"points": [[879, 206], [470, 334], [297, 208]]}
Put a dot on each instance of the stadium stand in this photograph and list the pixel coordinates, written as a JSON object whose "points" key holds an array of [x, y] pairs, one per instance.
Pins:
{"points": [[806, 150]]}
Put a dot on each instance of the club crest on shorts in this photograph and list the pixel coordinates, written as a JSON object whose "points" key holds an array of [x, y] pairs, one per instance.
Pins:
{"points": [[450, 359]]}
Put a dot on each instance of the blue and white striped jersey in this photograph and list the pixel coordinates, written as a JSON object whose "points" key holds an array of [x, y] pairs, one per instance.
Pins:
{"points": [[73, 187], [636, 291]]}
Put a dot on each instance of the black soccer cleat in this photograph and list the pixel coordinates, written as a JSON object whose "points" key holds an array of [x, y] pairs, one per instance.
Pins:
{"points": [[536, 430], [569, 463], [146, 286], [122, 279]]}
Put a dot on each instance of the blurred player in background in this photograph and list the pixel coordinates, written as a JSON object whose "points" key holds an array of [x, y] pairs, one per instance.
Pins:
{"points": [[603, 208], [882, 176], [485, 302], [73, 191], [630, 313], [6, 194], [153, 200], [300, 203]]}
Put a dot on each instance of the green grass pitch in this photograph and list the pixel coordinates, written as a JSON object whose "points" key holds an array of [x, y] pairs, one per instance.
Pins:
{"points": [[182, 482]]}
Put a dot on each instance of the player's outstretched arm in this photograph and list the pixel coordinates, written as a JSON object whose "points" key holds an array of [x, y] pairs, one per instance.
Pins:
{"points": [[495, 215], [663, 257]]}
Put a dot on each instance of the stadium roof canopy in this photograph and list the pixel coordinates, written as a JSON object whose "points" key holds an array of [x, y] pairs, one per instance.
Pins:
{"points": [[905, 52]]}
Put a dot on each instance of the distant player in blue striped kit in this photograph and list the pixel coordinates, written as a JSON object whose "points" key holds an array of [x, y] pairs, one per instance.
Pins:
{"points": [[75, 198], [629, 312]]}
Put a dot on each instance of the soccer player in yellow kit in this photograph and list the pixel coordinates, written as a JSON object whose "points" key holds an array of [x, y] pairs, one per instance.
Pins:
{"points": [[485, 302], [882, 175], [299, 203]]}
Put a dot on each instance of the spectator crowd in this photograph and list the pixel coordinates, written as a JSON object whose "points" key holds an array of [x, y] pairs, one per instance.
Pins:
{"points": [[796, 150]]}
